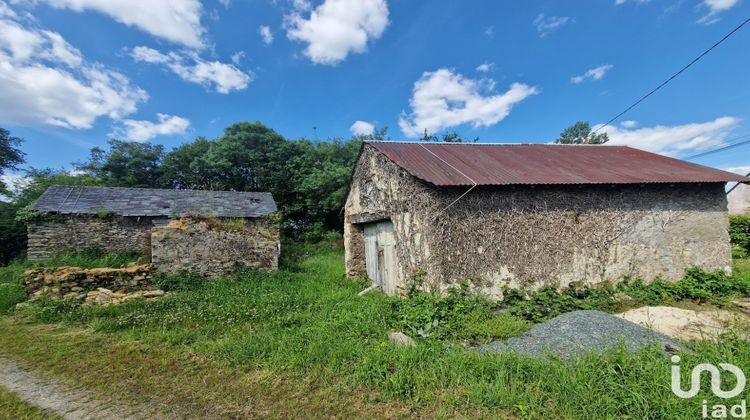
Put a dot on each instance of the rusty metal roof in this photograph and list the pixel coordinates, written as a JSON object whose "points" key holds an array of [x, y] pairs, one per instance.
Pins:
{"points": [[153, 202], [451, 164]]}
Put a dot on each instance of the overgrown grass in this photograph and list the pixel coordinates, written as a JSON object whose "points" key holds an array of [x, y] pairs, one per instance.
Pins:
{"points": [[12, 407], [306, 322]]}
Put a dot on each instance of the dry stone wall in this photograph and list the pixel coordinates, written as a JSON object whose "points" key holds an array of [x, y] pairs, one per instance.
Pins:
{"points": [[95, 286], [57, 234], [529, 236], [213, 248]]}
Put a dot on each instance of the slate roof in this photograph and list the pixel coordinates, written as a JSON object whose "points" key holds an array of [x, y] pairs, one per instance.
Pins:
{"points": [[454, 164], [153, 202]]}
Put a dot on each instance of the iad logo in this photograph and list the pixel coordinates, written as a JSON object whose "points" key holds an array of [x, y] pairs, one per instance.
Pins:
{"points": [[718, 411]]}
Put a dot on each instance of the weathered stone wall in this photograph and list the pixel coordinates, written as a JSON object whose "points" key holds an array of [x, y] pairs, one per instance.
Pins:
{"points": [[95, 286], [213, 248], [58, 234], [739, 199], [529, 237]]}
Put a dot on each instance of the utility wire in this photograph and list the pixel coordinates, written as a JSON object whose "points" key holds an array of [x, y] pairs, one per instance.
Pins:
{"points": [[673, 76], [720, 149]]}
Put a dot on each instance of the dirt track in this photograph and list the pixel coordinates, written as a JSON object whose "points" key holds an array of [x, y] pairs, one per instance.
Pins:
{"points": [[59, 399]]}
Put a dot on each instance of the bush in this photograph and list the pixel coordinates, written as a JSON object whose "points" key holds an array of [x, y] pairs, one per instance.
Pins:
{"points": [[461, 314], [739, 232], [10, 295]]}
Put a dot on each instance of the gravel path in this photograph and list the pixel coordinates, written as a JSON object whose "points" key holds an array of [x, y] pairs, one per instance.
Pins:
{"points": [[56, 398], [580, 332]]}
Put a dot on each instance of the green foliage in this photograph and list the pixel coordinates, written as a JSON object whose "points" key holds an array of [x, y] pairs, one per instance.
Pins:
{"points": [[127, 164], [308, 180], [459, 315], [10, 295], [180, 281], [102, 214], [10, 155], [739, 232], [697, 286], [581, 133], [449, 137], [12, 233], [305, 322]]}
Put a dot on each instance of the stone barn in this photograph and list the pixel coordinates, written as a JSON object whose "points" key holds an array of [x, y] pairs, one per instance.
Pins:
{"points": [[209, 232], [433, 215]]}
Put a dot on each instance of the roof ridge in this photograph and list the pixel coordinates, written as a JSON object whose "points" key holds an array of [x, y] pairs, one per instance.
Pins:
{"points": [[158, 189], [495, 144]]}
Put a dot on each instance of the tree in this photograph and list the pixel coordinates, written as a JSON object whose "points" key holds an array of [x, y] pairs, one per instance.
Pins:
{"points": [[449, 137], [127, 164], [10, 155], [580, 133], [13, 230]]}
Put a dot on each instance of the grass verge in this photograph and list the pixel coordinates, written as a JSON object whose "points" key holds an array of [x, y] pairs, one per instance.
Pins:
{"points": [[13, 408], [300, 342]]}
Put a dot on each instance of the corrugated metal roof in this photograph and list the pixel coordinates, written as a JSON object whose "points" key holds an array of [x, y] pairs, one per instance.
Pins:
{"points": [[153, 202], [447, 164]]}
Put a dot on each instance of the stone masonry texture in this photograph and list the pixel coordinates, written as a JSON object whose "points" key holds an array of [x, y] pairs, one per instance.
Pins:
{"points": [[214, 247]]}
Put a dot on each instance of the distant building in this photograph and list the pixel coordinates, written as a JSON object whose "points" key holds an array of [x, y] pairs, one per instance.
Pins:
{"points": [[433, 215], [738, 199], [179, 229]]}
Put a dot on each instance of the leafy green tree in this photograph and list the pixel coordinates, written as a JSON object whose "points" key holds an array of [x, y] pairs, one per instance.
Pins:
{"points": [[127, 164], [581, 133], [10, 155], [12, 228], [449, 137]]}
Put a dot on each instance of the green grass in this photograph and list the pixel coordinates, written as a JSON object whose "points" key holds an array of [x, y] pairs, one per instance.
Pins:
{"points": [[13, 408], [305, 323]]}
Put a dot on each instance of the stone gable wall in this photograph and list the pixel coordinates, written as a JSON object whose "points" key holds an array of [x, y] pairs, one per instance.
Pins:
{"points": [[58, 234], [214, 248]]}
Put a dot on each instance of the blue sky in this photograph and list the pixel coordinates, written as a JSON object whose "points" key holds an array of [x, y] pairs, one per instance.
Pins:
{"points": [[74, 73]]}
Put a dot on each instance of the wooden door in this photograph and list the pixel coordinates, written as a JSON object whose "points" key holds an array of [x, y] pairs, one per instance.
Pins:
{"points": [[380, 255]]}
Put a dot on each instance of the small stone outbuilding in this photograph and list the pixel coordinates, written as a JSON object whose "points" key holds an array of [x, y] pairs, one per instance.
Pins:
{"points": [[433, 215], [738, 198], [209, 232]]}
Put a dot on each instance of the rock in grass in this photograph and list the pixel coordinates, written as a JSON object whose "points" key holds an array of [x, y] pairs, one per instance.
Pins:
{"points": [[400, 339], [581, 332]]}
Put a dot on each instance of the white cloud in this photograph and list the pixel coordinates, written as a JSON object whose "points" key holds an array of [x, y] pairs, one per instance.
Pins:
{"points": [[143, 130], [46, 81], [548, 24], [629, 124], [443, 99], [216, 75], [12, 182], [489, 31], [237, 57], [676, 140], [597, 73], [619, 2], [485, 67], [174, 20], [266, 34], [741, 170], [362, 128], [225, 3], [716, 7], [337, 27]]}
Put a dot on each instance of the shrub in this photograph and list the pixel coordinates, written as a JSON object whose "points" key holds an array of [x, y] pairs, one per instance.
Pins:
{"points": [[739, 232], [10, 295]]}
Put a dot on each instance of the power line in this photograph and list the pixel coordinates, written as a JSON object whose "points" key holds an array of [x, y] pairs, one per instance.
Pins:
{"points": [[673, 76], [720, 149]]}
